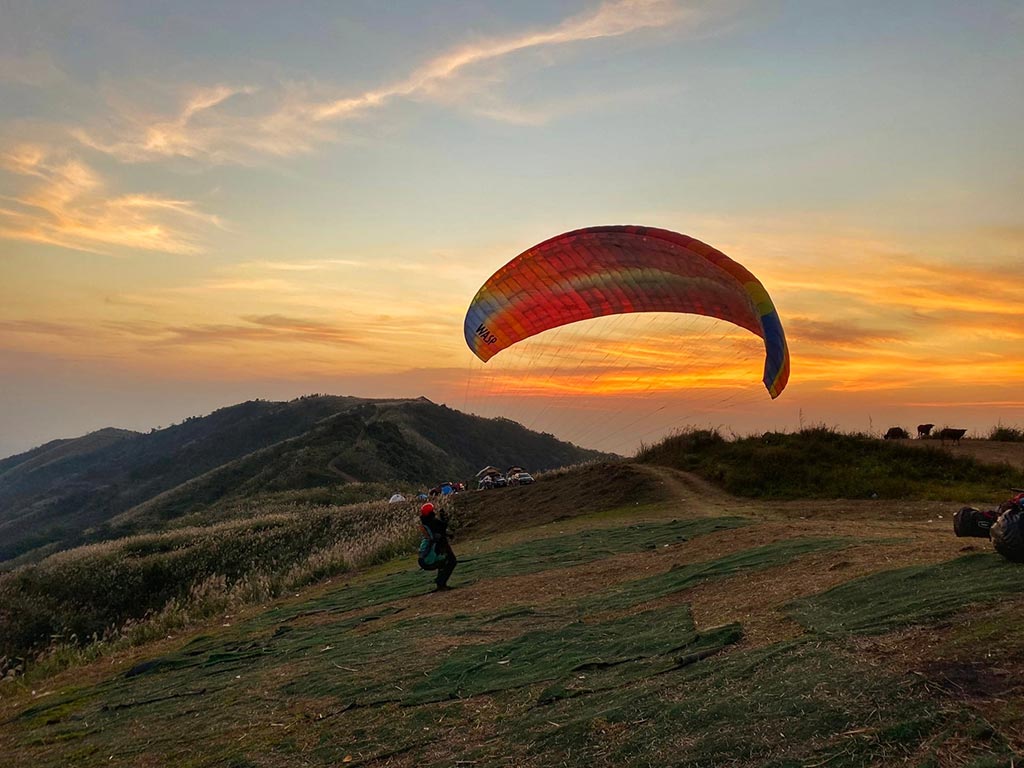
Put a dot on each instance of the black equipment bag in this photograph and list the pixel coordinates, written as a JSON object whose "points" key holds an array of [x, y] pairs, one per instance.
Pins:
{"points": [[970, 521]]}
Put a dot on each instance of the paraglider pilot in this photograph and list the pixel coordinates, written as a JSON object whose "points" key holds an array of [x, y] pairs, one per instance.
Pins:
{"points": [[435, 550]]}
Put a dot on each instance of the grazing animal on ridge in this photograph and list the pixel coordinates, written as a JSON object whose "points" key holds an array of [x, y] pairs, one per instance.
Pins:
{"points": [[896, 433], [952, 434], [923, 430]]}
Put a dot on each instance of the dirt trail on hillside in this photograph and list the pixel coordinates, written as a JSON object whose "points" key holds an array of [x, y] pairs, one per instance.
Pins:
{"points": [[690, 492]]}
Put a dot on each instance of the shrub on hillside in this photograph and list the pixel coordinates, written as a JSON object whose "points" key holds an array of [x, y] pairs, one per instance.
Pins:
{"points": [[99, 591], [1007, 434], [822, 463]]}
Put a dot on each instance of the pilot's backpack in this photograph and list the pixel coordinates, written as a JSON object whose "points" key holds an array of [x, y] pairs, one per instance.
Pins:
{"points": [[430, 558]]}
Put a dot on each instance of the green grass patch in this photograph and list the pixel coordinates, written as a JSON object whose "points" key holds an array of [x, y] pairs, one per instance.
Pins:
{"points": [[788, 706], [572, 650], [918, 594], [589, 545], [523, 558], [825, 464], [686, 576]]}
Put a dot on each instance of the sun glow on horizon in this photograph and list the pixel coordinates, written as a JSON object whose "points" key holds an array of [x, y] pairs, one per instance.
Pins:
{"points": [[192, 219]]}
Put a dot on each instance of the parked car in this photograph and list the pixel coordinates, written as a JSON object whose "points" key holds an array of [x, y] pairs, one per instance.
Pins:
{"points": [[521, 478]]}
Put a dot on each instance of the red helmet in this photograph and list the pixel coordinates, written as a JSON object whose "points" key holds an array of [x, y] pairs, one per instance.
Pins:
{"points": [[426, 509]]}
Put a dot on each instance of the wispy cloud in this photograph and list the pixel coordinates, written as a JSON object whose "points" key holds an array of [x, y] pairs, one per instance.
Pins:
{"points": [[261, 329], [967, 403], [840, 334], [238, 124], [911, 282], [219, 286], [219, 124], [493, 105], [45, 328], [252, 328], [35, 68], [65, 202], [612, 19], [825, 275], [269, 341]]}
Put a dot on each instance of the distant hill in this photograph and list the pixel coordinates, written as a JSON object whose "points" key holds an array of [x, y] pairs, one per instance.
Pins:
{"points": [[113, 482], [58, 450]]}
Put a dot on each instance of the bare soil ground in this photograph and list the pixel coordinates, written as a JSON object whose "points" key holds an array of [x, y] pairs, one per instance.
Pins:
{"points": [[580, 492]]}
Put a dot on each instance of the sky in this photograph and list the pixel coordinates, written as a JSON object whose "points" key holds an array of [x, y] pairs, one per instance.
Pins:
{"points": [[203, 203]]}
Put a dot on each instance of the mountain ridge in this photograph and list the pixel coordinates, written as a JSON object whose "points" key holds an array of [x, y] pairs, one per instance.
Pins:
{"points": [[113, 482]]}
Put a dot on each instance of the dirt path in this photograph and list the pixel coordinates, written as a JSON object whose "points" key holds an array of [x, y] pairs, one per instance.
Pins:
{"points": [[690, 492], [332, 466]]}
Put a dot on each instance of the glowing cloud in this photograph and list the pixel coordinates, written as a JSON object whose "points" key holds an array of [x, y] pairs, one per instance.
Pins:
{"points": [[289, 120], [66, 203]]}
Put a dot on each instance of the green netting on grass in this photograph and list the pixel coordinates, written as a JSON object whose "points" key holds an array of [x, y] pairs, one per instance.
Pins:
{"points": [[796, 704], [791, 705], [570, 650], [349, 658], [589, 545], [914, 595], [318, 692], [686, 576], [385, 665], [527, 557], [340, 600], [599, 678]]}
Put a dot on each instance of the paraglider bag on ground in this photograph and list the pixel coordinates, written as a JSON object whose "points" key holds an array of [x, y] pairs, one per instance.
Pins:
{"points": [[970, 521], [430, 559]]}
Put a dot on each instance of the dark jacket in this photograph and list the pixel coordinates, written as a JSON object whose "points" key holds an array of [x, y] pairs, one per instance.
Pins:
{"points": [[437, 530]]}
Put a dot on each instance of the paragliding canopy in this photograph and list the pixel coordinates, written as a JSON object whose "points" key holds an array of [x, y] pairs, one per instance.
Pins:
{"points": [[611, 270]]}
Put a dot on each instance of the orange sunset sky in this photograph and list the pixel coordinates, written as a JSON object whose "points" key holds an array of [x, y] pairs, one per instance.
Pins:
{"points": [[204, 203]]}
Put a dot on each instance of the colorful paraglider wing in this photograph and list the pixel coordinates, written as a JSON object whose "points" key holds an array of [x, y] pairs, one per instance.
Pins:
{"points": [[615, 270]]}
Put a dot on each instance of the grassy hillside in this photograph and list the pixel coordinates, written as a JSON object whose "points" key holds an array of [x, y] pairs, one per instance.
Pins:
{"points": [[55, 502], [91, 490], [694, 630], [412, 443], [30, 519], [129, 589], [62, 450], [825, 464], [132, 589]]}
